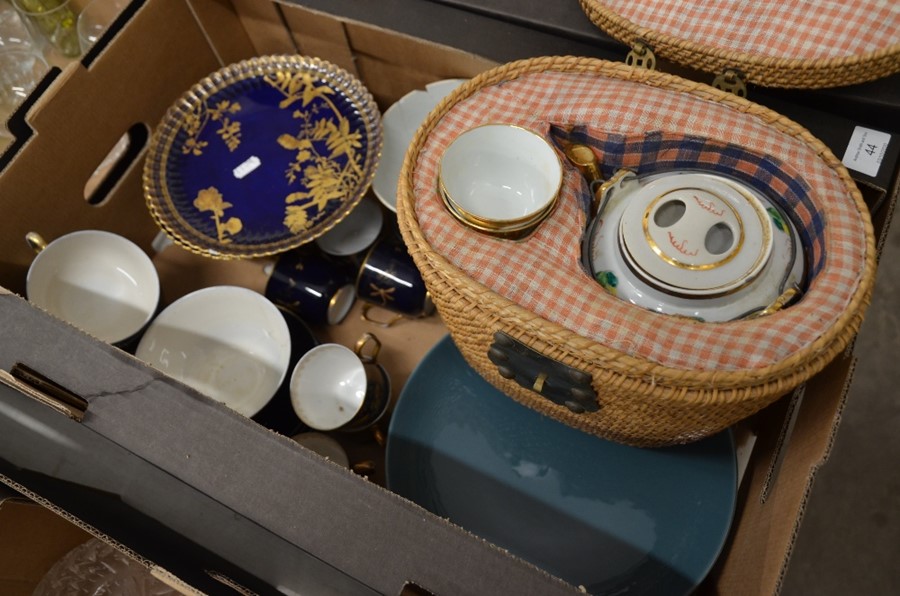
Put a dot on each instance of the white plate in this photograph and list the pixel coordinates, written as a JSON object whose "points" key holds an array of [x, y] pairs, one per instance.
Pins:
{"points": [[400, 123]]}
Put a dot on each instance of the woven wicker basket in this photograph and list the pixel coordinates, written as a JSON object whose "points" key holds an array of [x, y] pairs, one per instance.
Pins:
{"points": [[641, 402], [794, 44]]}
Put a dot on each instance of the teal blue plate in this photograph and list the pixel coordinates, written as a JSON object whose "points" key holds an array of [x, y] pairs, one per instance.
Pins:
{"points": [[612, 518], [262, 156]]}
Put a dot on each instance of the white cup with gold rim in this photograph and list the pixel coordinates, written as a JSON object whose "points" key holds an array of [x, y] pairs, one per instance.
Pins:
{"points": [[334, 387], [500, 179]]}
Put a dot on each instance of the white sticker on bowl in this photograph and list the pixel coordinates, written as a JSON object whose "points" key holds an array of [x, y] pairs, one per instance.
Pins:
{"points": [[250, 164], [866, 150]]}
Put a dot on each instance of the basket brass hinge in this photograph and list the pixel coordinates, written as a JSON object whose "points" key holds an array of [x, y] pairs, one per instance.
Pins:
{"points": [[641, 56], [731, 81], [33, 384]]}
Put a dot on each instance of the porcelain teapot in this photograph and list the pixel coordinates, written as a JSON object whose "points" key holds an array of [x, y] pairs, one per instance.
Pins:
{"points": [[692, 243]]}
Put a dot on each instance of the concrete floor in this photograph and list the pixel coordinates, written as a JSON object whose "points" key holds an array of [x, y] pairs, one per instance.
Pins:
{"points": [[849, 541]]}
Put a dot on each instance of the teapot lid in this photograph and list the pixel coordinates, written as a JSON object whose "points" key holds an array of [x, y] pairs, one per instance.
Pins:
{"points": [[695, 234]]}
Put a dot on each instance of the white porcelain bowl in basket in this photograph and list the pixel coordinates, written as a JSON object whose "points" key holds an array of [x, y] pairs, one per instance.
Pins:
{"points": [[500, 179]]}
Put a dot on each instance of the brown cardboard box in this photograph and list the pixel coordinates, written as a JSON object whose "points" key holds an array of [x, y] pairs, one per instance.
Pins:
{"points": [[34, 538], [211, 499]]}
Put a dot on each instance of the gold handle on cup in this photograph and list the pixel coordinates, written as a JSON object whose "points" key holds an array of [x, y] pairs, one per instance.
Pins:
{"points": [[365, 467], [584, 158], [35, 241], [367, 339], [369, 319]]}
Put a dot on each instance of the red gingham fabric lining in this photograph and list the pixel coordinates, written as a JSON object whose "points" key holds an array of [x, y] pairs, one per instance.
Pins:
{"points": [[799, 29], [544, 275]]}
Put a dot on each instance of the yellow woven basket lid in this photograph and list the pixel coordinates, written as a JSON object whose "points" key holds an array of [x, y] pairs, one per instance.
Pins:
{"points": [[768, 42]]}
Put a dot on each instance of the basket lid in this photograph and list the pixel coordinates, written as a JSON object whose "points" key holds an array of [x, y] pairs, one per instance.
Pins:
{"points": [[769, 42]]}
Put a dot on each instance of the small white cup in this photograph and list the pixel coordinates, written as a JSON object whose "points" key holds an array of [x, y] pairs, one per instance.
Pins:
{"points": [[98, 281], [500, 179], [227, 342], [334, 387]]}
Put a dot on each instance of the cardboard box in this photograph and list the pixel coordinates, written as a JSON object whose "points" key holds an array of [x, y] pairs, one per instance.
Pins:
{"points": [[211, 501], [34, 538]]}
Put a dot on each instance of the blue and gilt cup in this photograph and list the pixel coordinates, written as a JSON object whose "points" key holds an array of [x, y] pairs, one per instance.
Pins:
{"points": [[315, 286], [389, 279]]}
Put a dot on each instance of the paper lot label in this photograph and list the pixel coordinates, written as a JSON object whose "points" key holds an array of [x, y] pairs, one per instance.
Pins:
{"points": [[866, 150]]}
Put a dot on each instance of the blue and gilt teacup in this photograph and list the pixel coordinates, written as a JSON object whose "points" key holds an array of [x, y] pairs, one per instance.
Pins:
{"points": [[334, 387], [388, 278], [315, 286]]}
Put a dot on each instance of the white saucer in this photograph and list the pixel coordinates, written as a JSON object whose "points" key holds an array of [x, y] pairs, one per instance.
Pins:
{"points": [[767, 268], [354, 233], [400, 123]]}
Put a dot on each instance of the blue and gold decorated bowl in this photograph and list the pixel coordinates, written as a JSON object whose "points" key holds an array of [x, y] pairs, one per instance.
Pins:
{"points": [[262, 156]]}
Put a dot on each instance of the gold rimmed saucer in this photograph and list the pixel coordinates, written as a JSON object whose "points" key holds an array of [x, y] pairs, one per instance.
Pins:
{"points": [[262, 156]]}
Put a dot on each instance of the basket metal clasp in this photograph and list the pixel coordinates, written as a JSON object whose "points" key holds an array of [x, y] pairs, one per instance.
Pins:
{"points": [[641, 56], [558, 382], [731, 81]]}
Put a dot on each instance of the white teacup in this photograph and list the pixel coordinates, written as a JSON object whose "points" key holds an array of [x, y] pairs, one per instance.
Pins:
{"points": [[98, 281], [334, 387], [500, 179], [227, 342]]}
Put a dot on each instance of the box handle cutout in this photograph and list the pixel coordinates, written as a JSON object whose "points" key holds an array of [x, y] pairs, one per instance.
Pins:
{"points": [[33, 384], [413, 589], [116, 164]]}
